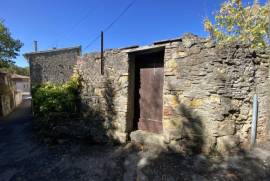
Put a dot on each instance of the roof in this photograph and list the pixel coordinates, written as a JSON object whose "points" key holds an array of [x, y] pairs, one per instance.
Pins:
{"points": [[146, 48], [27, 55], [161, 42], [168, 41], [16, 76]]}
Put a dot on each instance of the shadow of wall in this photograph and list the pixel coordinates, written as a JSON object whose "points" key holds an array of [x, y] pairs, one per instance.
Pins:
{"points": [[100, 114], [192, 130], [161, 165], [217, 85]]}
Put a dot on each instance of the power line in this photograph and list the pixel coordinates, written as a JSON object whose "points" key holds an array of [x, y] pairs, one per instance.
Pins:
{"points": [[120, 15], [92, 42], [112, 23], [75, 25]]}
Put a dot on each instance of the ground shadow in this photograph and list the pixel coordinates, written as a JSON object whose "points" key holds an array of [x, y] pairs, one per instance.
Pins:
{"points": [[166, 165], [100, 114], [193, 164], [192, 130]]}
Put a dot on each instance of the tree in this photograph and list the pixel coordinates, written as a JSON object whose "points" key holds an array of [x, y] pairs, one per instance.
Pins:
{"points": [[23, 71], [14, 69], [235, 22], [9, 47]]}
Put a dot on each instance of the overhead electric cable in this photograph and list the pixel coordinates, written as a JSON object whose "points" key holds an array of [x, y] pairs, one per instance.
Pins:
{"points": [[76, 24], [111, 24], [120, 15]]}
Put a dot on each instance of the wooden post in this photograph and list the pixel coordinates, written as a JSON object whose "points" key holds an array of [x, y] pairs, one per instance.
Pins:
{"points": [[101, 55]]}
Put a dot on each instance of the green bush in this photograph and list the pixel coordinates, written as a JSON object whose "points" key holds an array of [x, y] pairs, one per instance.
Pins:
{"points": [[49, 98]]}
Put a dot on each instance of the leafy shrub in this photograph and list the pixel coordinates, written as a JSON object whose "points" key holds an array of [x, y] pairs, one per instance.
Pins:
{"points": [[49, 98]]}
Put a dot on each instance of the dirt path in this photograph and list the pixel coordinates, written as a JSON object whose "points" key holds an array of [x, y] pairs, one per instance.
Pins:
{"points": [[24, 158]]}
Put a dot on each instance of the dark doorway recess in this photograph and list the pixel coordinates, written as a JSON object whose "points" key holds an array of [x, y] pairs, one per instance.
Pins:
{"points": [[148, 90]]}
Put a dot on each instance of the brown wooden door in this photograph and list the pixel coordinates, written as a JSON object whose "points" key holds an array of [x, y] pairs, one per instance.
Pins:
{"points": [[150, 94]]}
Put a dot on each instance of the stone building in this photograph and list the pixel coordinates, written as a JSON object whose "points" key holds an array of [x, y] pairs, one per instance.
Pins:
{"points": [[55, 66], [22, 83], [9, 97], [185, 93]]}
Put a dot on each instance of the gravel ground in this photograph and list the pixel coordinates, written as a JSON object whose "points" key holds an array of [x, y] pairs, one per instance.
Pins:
{"points": [[24, 157]]}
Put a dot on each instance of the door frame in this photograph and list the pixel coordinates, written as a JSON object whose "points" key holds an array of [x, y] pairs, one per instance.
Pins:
{"points": [[131, 118]]}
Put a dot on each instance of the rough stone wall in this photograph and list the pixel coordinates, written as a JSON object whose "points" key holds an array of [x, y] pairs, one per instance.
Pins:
{"points": [[208, 94], [104, 98], [18, 97], [6, 105], [55, 66], [7, 94]]}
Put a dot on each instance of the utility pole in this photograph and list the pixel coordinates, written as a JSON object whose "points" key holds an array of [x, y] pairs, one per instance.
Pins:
{"points": [[35, 45], [101, 55]]}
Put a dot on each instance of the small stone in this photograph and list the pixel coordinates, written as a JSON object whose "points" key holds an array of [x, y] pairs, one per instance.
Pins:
{"points": [[171, 100], [209, 144], [189, 40], [175, 146], [215, 98], [147, 138], [182, 54], [227, 144], [195, 50], [195, 103], [209, 44], [246, 127], [171, 65], [226, 128]]}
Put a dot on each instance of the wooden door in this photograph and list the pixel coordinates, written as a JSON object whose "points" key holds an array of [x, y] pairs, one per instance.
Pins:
{"points": [[150, 93]]}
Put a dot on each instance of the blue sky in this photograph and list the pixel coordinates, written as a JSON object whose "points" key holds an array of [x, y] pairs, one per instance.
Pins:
{"points": [[64, 23]]}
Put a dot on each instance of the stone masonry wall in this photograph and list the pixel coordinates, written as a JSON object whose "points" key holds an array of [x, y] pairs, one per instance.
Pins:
{"points": [[9, 98], [55, 66], [207, 95], [104, 98]]}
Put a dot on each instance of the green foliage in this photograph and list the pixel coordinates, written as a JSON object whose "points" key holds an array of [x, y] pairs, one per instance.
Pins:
{"points": [[49, 98], [235, 22], [9, 47]]}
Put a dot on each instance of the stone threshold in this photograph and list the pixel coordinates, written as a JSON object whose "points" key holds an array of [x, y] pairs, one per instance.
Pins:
{"points": [[147, 138]]}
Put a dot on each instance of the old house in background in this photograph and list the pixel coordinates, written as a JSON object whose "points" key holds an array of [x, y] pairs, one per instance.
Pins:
{"points": [[183, 93], [22, 84]]}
